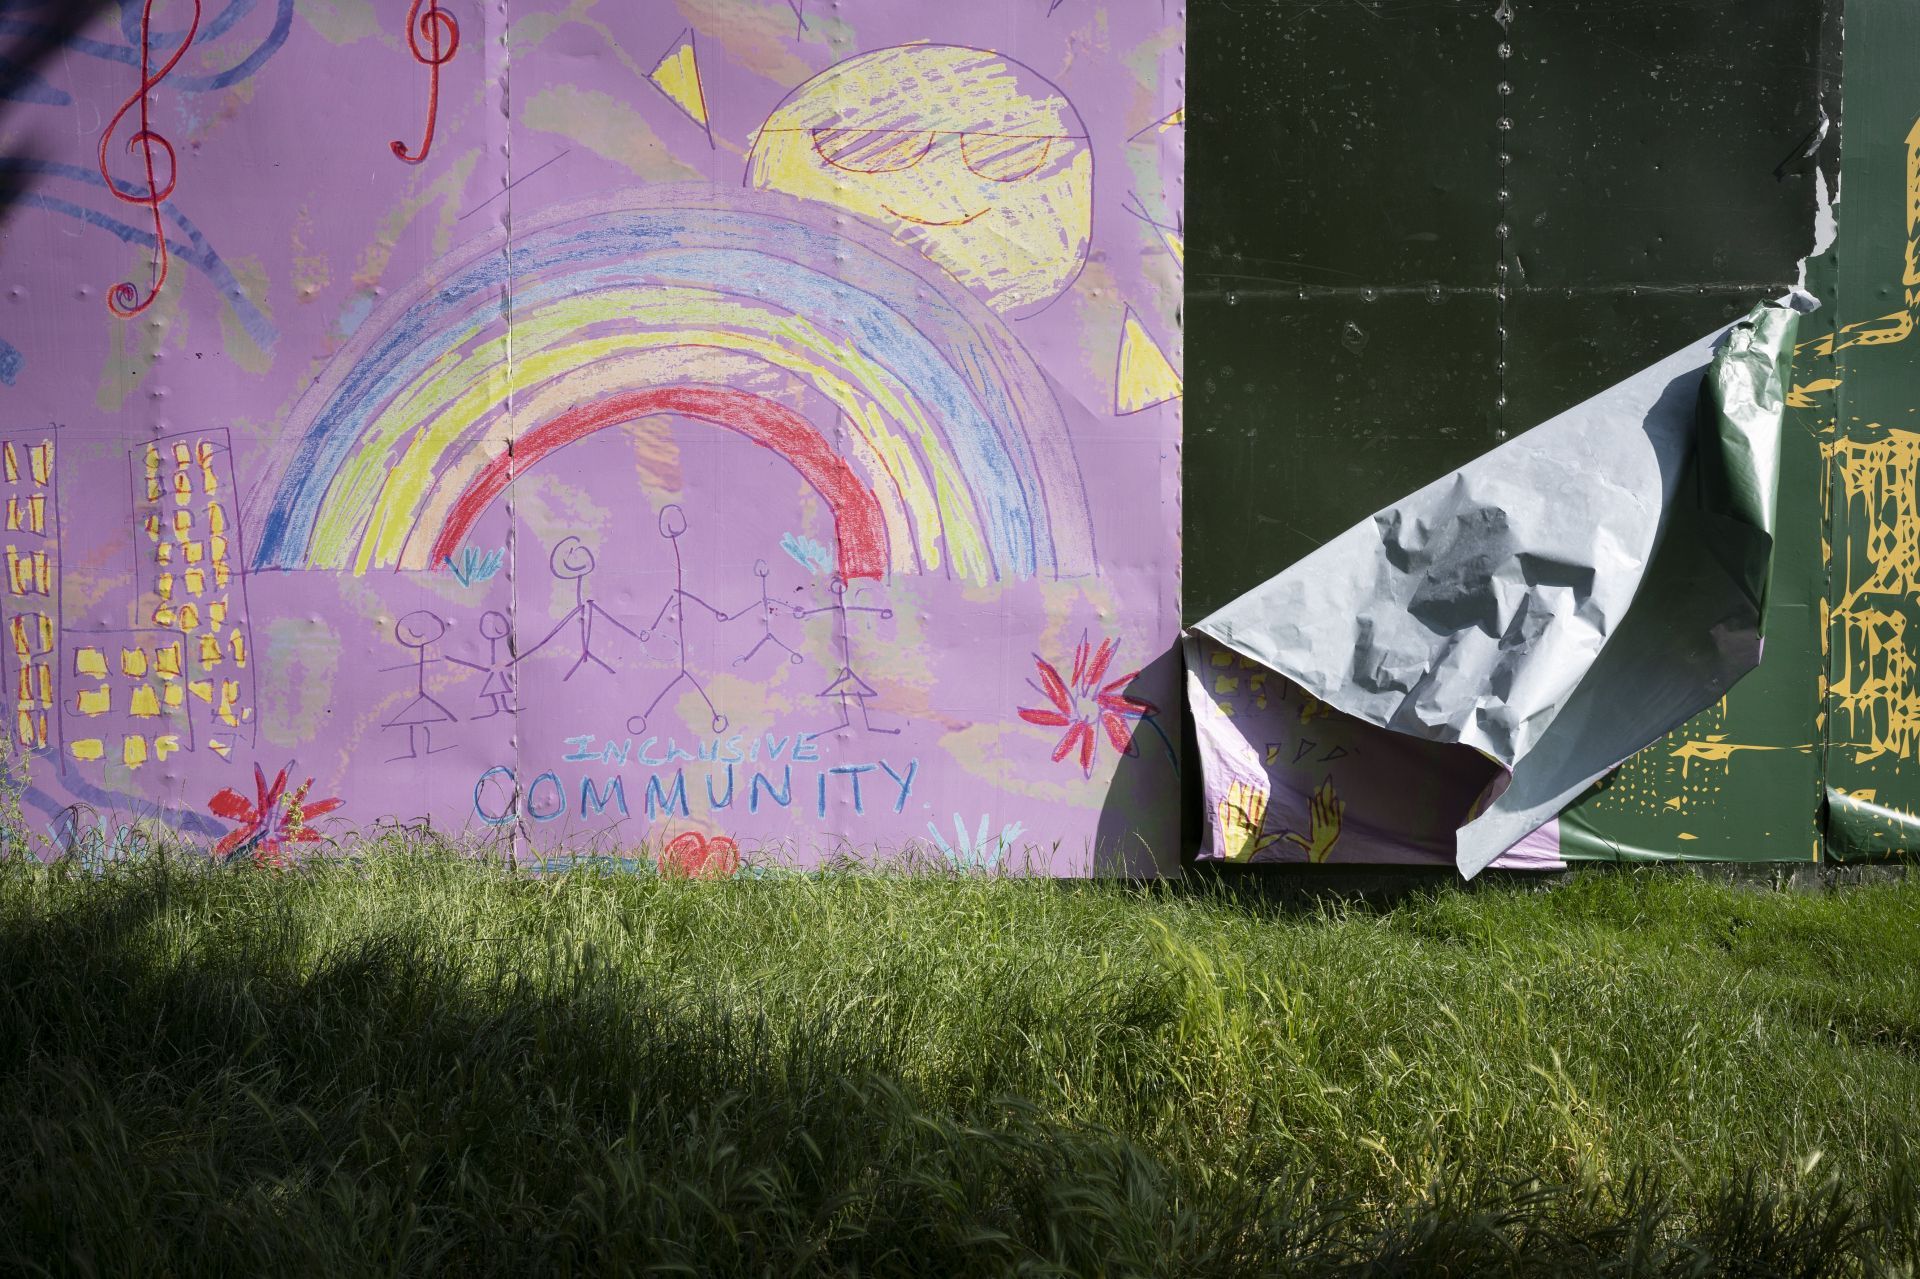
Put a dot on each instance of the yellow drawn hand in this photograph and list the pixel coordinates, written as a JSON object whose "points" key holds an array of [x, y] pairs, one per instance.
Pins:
{"points": [[1324, 811], [1240, 816]]}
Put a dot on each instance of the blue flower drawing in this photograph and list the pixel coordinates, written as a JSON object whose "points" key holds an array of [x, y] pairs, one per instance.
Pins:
{"points": [[978, 851], [476, 565], [807, 553]]}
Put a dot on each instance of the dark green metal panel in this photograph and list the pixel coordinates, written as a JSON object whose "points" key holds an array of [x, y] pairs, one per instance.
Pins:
{"points": [[1342, 176]]}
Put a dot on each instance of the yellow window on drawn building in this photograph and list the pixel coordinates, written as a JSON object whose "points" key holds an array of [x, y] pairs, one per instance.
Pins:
{"points": [[40, 457], [88, 748], [93, 701], [145, 703], [28, 574], [166, 661], [133, 662], [29, 515], [182, 455], [165, 745], [90, 661], [133, 750]]}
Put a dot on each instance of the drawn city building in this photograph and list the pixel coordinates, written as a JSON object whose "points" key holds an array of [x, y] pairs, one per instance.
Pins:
{"points": [[191, 580], [30, 607], [181, 677]]}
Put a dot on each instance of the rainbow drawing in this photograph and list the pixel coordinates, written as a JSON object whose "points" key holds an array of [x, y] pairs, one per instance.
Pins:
{"points": [[906, 403]]}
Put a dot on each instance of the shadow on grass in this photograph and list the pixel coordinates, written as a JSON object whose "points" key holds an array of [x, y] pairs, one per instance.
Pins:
{"points": [[229, 1101]]}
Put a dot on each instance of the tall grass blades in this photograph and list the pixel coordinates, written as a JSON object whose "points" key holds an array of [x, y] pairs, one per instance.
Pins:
{"points": [[421, 1064]]}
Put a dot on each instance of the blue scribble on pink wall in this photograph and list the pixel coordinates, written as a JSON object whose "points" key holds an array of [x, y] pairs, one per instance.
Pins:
{"points": [[807, 553]]}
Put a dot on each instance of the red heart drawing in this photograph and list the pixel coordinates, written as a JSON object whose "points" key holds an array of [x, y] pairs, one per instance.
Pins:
{"points": [[695, 856]]}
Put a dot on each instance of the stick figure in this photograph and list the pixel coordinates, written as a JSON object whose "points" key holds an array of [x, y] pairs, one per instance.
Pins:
{"points": [[498, 686], [846, 685], [673, 523], [418, 631], [767, 636], [572, 561]]}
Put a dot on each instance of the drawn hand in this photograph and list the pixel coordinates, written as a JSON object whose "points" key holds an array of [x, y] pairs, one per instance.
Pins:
{"points": [[1239, 818], [1324, 813]]}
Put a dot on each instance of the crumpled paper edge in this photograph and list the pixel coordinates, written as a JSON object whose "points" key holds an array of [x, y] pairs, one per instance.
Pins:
{"points": [[1495, 608]]}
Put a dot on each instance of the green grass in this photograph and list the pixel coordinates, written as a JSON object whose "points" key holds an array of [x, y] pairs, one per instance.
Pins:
{"points": [[416, 1064]]}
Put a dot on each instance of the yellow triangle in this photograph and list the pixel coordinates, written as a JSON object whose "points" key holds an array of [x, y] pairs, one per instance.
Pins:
{"points": [[1176, 245], [678, 76], [1144, 376], [1165, 124]]}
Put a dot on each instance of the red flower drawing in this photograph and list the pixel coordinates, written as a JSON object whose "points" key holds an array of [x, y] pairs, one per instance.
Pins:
{"points": [[1083, 701], [695, 856], [269, 822]]}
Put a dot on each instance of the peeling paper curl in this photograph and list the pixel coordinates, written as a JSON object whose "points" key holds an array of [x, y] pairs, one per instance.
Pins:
{"points": [[1559, 602]]}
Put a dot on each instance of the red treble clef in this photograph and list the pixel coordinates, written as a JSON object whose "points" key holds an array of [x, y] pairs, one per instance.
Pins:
{"points": [[437, 28], [124, 299]]}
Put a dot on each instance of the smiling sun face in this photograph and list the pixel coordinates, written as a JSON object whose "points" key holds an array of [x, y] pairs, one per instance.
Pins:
{"points": [[973, 159]]}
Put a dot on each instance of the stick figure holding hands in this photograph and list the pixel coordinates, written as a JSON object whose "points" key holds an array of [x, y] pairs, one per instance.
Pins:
{"points": [[497, 688], [847, 687], [765, 608], [572, 561], [419, 631], [673, 525]]}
